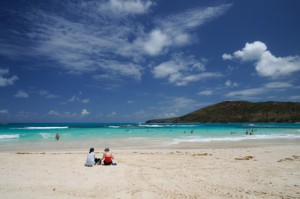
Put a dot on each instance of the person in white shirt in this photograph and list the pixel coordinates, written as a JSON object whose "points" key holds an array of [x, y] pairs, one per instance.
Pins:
{"points": [[91, 159]]}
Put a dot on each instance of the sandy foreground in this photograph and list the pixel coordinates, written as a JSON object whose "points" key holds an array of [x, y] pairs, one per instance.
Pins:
{"points": [[239, 172]]}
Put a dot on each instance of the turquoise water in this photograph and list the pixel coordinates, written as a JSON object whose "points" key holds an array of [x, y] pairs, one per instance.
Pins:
{"points": [[174, 132]]}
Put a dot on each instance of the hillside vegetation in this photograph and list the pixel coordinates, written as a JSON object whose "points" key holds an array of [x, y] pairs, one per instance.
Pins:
{"points": [[241, 111]]}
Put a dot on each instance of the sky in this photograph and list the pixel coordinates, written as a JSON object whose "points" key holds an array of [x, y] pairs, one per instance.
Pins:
{"points": [[135, 60]]}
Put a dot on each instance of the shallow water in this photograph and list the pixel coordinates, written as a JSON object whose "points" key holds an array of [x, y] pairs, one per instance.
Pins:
{"points": [[172, 132]]}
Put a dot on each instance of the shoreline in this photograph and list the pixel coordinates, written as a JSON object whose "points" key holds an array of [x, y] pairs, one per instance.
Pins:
{"points": [[132, 144]]}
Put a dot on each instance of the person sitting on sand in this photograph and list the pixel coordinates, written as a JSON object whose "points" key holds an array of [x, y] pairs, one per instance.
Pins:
{"points": [[91, 159], [107, 157]]}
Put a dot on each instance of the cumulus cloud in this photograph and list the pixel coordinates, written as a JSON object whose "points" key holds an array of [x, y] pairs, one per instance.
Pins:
{"points": [[155, 42], [6, 81], [84, 112], [21, 94], [182, 70], [266, 64]]}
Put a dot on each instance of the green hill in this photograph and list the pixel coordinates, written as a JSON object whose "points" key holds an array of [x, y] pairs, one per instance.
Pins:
{"points": [[241, 111]]}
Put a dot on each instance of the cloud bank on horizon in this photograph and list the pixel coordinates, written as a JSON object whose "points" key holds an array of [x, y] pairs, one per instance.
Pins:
{"points": [[165, 58]]}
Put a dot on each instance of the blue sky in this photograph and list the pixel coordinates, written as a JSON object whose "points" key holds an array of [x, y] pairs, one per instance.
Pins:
{"points": [[134, 60]]}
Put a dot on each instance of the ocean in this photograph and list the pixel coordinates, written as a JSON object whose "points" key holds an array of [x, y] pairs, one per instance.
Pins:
{"points": [[169, 132]]}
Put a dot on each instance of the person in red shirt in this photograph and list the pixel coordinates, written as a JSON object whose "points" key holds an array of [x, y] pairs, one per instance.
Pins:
{"points": [[107, 157]]}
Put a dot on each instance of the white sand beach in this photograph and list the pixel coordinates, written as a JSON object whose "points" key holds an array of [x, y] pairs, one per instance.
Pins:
{"points": [[247, 171]]}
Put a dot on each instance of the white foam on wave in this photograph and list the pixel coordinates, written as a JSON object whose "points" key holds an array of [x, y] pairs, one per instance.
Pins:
{"points": [[43, 127], [151, 125], [166, 125], [13, 136], [46, 135], [115, 127], [234, 139]]}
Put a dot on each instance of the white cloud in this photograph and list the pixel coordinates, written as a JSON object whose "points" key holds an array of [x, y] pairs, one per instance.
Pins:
{"points": [[47, 94], [272, 66], [77, 98], [182, 70], [226, 56], [229, 83], [278, 85], [295, 97], [182, 102], [176, 30], [175, 106], [246, 92], [266, 64], [3, 112], [251, 51], [155, 42], [84, 112], [167, 115], [130, 102], [69, 114], [103, 37], [112, 114], [85, 42], [21, 94], [86, 101], [124, 7], [255, 92], [7, 81], [193, 18], [54, 113], [205, 93]]}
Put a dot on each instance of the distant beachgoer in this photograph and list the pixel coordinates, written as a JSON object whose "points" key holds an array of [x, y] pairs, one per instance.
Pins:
{"points": [[91, 159], [107, 157], [57, 136]]}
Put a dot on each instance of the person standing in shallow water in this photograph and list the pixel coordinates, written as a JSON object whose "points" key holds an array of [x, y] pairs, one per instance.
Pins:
{"points": [[57, 136]]}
